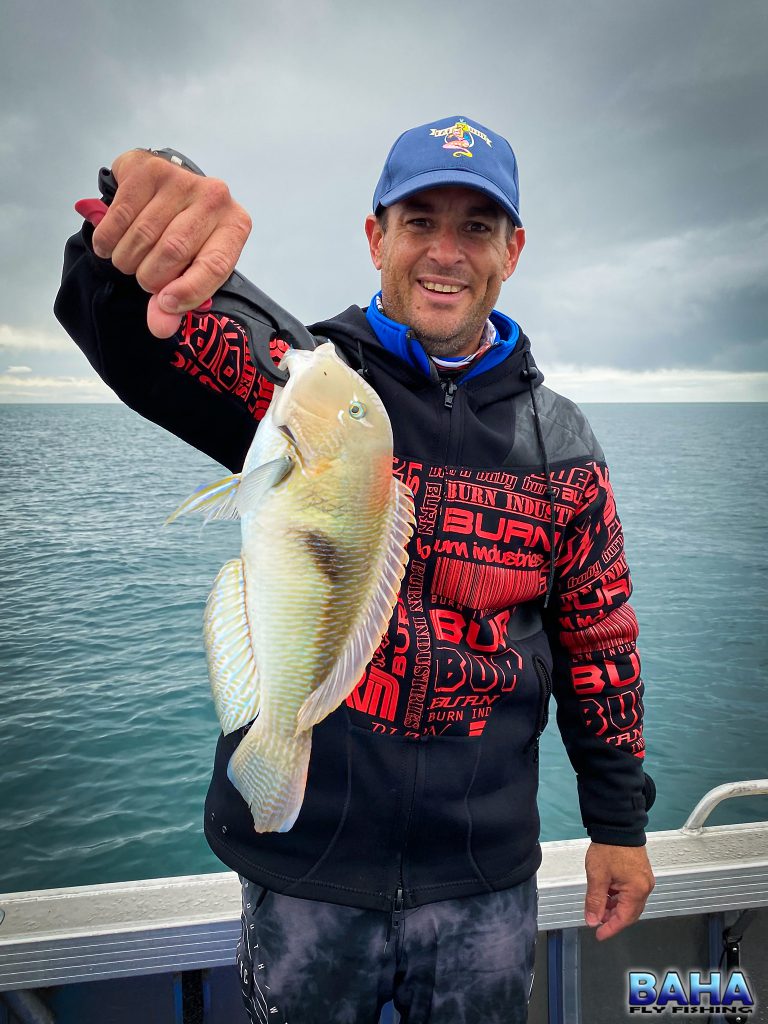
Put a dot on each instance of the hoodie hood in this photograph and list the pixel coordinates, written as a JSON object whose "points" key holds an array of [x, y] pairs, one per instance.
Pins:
{"points": [[368, 336], [402, 341]]}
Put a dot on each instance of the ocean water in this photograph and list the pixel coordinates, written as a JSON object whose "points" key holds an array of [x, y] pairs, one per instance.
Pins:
{"points": [[107, 731]]}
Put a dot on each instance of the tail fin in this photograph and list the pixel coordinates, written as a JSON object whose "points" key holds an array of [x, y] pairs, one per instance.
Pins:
{"points": [[270, 773]]}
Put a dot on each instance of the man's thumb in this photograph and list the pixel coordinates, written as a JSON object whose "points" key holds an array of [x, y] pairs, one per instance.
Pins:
{"points": [[160, 323]]}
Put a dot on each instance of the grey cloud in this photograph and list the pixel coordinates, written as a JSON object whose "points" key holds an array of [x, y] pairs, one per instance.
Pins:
{"points": [[696, 299], [633, 124]]}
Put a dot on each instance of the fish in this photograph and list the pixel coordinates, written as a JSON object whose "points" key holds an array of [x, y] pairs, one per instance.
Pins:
{"points": [[291, 624]]}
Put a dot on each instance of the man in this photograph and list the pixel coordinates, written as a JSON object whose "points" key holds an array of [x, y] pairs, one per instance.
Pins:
{"points": [[410, 872]]}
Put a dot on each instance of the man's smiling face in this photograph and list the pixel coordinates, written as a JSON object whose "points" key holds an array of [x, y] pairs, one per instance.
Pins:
{"points": [[443, 257]]}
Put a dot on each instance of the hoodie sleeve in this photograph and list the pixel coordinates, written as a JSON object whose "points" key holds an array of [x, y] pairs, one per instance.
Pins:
{"points": [[596, 678], [200, 384]]}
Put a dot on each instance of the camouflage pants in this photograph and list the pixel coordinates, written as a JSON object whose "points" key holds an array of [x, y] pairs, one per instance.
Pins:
{"points": [[461, 961]]}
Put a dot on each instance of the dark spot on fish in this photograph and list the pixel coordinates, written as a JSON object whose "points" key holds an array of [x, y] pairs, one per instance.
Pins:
{"points": [[323, 552]]}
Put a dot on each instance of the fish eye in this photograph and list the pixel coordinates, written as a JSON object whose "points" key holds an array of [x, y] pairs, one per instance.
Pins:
{"points": [[356, 410]]}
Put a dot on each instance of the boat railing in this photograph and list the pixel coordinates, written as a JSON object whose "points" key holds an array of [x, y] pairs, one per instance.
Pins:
{"points": [[189, 925]]}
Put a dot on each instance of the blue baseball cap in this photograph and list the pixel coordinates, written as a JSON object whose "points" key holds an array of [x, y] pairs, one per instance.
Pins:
{"points": [[453, 151]]}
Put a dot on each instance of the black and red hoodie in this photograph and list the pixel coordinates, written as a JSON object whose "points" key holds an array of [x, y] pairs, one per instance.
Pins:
{"points": [[423, 784]]}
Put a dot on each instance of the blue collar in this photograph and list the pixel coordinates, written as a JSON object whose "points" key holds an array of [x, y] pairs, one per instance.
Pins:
{"points": [[401, 341]]}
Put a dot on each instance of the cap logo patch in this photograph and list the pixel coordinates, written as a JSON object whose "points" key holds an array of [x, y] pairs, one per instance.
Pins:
{"points": [[460, 137]]}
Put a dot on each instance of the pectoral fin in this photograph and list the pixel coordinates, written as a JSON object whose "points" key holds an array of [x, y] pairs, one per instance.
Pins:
{"points": [[231, 665], [374, 616], [231, 497], [259, 481]]}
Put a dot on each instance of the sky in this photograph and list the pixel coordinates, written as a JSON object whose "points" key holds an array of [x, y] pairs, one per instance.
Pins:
{"points": [[640, 131]]}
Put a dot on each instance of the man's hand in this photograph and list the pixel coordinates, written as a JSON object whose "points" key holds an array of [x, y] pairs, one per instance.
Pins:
{"points": [[619, 881], [179, 233]]}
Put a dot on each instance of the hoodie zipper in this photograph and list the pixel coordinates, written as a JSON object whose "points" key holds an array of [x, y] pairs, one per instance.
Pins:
{"points": [[450, 387], [395, 918], [398, 902]]}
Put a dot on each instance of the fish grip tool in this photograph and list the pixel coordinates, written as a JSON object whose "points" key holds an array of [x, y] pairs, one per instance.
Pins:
{"points": [[262, 319]]}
